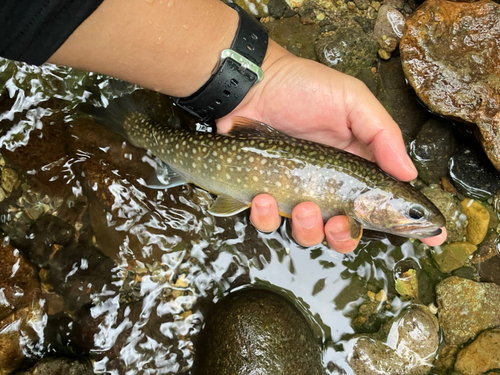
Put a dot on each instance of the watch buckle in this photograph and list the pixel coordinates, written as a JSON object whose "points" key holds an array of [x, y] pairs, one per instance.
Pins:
{"points": [[243, 61]]}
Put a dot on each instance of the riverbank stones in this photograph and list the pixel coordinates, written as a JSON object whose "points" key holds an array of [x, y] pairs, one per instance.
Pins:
{"points": [[451, 57], [466, 307], [408, 345], [482, 355], [256, 331]]}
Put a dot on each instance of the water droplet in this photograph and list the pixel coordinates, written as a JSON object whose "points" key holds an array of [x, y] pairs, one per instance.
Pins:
{"points": [[159, 40], [185, 26], [170, 4]]}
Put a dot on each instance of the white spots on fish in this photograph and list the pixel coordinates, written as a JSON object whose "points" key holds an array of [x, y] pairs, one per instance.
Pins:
{"points": [[233, 148], [251, 159], [229, 160], [296, 190], [263, 161], [238, 157], [255, 178], [214, 153], [238, 169], [205, 166], [278, 184], [228, 176], [224, 149], [219, 167]]}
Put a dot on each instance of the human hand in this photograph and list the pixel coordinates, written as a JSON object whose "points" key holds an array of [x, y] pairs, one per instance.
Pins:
{"points": [[308, 100]]}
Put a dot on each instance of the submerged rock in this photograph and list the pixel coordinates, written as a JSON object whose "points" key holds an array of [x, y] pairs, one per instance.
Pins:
{"points": [[466, 308], [451, 57], [450, 207], [432, 149], [473, 175], [452, 256], [20, 311], [257, 332], [406, 284], [409, 347], [348, 50], [257, 8], [478, 218], [481, 355], [59, 366], [399, 99]]}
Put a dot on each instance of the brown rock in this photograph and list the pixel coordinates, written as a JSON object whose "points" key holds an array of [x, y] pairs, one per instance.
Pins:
{"points": [[18, 281], [466, 308], [451, 57], [481, 355]]}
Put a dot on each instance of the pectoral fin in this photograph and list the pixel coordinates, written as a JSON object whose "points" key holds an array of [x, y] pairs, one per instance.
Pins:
{"points": [[355, 229], [226, 206], [165, 177]]}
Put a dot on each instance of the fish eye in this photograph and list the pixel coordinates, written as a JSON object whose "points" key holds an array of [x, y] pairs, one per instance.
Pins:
{"points": [[416, 212]]}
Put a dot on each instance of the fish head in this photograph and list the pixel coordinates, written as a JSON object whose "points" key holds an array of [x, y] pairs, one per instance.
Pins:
{"points": [[398, 209]]}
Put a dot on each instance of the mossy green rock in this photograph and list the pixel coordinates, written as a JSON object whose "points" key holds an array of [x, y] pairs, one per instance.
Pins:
{"points": [[59, 366], [451, 256], [406, 285], [257, 332], [466, 308]]}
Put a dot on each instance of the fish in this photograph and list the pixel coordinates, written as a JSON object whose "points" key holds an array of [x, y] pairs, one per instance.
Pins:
{"points": [[254, 158]]}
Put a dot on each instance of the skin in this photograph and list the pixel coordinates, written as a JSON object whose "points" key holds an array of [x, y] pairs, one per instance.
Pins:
{"points": [[153, 43]]}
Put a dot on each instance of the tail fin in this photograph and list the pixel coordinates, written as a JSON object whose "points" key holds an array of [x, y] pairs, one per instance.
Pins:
{"points": [[157, 107]]}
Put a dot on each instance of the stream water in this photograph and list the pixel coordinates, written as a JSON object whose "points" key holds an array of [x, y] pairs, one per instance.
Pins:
{"points": [[145, 265]]}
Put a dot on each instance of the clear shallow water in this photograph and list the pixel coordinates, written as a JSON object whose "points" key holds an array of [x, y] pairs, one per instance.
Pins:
{"points": [[132, 286]]}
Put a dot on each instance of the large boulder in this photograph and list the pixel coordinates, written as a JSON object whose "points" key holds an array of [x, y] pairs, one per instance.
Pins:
{"points": [[451, 57], [257, 332]]}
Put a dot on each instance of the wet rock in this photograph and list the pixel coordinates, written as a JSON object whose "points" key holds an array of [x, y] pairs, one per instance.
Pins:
{"points": [[450, 207], [406, 284], [432, 149], [257, 331], [59, 366], [489, 270], [390, 23], [257, 8], [48, 230], [398, 4], [348, 50], [406, 345], [280, 8], [400, 100], [9, 179], [21, 334], [293, 36], [20, 312], [452, 256], [79, 271], [454, 65], [473, 175], [446, 357], [19, 284], [478, 218], [481, 355], [466, 308]]}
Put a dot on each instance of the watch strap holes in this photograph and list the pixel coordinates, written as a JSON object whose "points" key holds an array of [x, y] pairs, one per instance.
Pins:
{"points": [[234, 82], [254, 37], [218, 101], [226, 92]]}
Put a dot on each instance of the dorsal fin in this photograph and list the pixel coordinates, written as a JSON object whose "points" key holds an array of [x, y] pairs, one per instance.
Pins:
{"points": [[248, 128]]}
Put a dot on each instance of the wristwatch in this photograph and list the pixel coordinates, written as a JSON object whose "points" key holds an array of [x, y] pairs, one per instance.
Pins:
{"points": [[238, 70]]}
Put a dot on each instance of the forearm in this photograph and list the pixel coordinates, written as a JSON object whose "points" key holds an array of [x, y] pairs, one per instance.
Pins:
{"points": [[170, 46]]}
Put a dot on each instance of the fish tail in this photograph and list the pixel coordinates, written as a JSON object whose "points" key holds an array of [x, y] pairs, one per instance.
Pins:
{"points": [[150, 105]]}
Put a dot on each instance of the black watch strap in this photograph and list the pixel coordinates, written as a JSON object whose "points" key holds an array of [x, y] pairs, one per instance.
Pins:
{"points": [[238, 70]]}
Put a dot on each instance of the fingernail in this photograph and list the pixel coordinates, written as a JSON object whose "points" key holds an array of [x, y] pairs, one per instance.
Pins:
{"points": [[342, 235], [263, 208], [307, 219]]}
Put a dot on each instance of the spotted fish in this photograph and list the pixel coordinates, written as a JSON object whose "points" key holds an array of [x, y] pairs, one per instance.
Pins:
{"points": [[255, 158]]}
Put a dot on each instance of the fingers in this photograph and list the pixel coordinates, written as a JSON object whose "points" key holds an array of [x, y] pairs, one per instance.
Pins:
{"points": [[307, 224], [338, 235], [373, 126], [436, 240], [264, 213]]}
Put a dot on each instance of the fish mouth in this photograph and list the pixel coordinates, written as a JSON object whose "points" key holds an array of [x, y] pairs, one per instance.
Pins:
{"points": [[417, 231]]}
